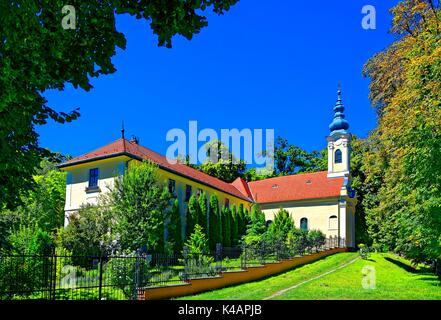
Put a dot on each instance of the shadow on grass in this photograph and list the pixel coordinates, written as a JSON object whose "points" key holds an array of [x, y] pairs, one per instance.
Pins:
{"points": [[408, 268]]}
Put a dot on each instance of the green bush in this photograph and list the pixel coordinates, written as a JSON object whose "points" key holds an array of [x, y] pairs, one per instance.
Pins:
{"points": [[215, 223], [234, 226], [363, 251], [192, 215], [226, 227], [316, 239], [297, 242], [175, 228], [203, 211], [127, 273]]}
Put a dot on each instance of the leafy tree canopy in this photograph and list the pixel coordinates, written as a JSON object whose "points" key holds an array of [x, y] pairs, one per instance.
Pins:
{"points": [[37, 54], [406, 147]]}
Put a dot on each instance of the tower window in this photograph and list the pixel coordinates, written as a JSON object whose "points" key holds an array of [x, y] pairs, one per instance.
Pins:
{"points": [[304, 224], [338, 156]]}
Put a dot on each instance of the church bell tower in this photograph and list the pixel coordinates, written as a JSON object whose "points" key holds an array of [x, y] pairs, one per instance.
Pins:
{"points": [[339, 142]]}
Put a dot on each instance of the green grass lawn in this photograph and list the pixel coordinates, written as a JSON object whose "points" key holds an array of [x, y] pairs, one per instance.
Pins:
{"points": [[395, 279]]}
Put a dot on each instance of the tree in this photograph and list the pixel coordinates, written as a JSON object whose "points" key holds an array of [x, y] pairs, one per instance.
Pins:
{"points": [[282, 224], [234, 226], [52, 56], [241, 220], [316, 239], [141, 205], [193, 213], [257, 228], [45, 203], [226, 227], [247, 219], [203, 211], [406, 92], [366, 190], [215, 224], [175, 227], [197, 243], [89, 233], [290, 159], [221, 163]]}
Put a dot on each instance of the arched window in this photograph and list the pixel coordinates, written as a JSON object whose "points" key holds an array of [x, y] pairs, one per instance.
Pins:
{"points": [[338, 156], [333, 222], [304, 224]]}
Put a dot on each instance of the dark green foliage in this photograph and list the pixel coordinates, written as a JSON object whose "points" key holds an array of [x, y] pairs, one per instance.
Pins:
{"points": [[125, 273], [140, 205], [226, 227], [193, 213], [247, 219], [316, 239], [234, 226], [404, 157], [220, 162], [29, 271], [257, 228], [297, 241], [241, 220], [215, 223], [88, 232], [363, 251], [197, 243], [175, 227], [282, 224], [42, 206], [203, 211], [51, 57]]}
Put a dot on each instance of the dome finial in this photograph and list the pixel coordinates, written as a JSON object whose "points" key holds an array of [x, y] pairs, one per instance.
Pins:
{"points": [[339, 124]]}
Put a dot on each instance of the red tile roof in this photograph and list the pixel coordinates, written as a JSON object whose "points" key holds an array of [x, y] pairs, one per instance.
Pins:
{"points": [[123, 146], [286, 188], [241, 185], [296, 187]]}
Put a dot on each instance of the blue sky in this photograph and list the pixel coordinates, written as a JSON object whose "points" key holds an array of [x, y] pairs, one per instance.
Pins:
{"points": [[265, 64]]}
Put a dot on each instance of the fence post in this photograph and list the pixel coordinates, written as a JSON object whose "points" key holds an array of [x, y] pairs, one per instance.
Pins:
{"points": [[101, 278], [185, 254], [53, 278]]}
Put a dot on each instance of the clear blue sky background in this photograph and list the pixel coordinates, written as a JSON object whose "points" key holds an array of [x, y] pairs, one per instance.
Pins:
{"points": [[264, 64]]}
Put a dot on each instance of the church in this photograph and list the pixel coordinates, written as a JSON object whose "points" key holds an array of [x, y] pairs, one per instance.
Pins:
{"points": [[321, 200]]}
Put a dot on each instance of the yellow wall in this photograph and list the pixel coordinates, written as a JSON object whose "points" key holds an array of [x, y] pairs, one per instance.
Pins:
{"points": [[181, 183], [78, 180], [317, 212]]}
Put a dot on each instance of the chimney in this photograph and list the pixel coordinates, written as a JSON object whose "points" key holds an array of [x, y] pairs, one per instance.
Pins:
{"points": [[134, 140]]}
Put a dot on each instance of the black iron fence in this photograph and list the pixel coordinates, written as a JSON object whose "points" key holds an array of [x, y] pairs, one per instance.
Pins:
{"points": [[126, 277]]}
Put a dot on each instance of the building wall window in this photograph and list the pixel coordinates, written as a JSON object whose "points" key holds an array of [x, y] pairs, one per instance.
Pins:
{"points": [[93, 177], [198, 192], [338, 156], [187, 192], [227, 203], [333, 222], [304, 224], [172, 186]]}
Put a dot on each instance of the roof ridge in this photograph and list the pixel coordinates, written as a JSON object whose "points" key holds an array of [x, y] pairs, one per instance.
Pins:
{"points": [[291, 175], [92, 151], [192, 169]]}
